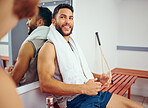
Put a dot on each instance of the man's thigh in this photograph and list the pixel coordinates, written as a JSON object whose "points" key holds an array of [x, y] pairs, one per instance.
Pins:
{"points": [[117, 101]]}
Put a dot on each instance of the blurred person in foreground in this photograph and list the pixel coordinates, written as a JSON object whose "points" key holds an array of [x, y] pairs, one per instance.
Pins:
{"points": [[11, 11]]}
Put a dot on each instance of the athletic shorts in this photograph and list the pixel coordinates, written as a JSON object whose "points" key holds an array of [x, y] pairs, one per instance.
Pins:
{"points": [[84, 101]]}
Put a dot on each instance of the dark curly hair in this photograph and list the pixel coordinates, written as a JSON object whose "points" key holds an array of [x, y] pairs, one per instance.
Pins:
{"points": [[60, 6], [46, 15]]}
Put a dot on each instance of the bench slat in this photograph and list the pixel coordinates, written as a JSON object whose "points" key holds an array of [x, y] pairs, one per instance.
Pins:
{"points": [[138, 73], [122, 86], [128, 86], [115, 81], [118, 84], [113, 75], [122, 83]]}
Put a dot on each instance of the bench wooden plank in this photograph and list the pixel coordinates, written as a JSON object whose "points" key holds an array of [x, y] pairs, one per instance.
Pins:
{"points": [[128, 86], [121, 87], [121, 84], [116, 76], [113, 75], [133, 72], [118, 84], [5, 59], [115, 82]]}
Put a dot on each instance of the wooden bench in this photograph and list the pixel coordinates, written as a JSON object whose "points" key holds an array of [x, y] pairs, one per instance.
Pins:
{"points": [[138, 73], [5, 59], [121, 84]]}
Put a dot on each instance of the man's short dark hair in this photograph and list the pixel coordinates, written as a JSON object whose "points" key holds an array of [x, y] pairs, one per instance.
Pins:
{"points": [[46, 15], [56, 10]]}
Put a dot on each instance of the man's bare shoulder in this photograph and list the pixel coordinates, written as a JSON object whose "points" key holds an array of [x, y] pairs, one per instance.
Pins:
{"points": [[26, 50], [27, 45], [48, 46], [47, 49]]}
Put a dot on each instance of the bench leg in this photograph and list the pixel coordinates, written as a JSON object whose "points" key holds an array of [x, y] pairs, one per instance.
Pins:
{"points": [[129, 93], [4, 63]]}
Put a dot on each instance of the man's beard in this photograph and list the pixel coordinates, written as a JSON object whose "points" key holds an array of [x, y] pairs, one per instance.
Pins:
{"points": [[58, 28], [31, 29]]}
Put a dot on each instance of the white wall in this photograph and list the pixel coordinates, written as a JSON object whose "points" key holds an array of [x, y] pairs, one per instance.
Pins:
{"points": [[4, 51], [119, 22], [133, 27], [97, 15], [133, 31], [133, 23]]}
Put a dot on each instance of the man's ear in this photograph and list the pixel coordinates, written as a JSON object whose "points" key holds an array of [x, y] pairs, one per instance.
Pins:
{"points": [[53, 21], [40, 22]]}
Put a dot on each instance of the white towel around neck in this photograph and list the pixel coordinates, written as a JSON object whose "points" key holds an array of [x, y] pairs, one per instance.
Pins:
{"points": [[39, 33], [72, 64]]}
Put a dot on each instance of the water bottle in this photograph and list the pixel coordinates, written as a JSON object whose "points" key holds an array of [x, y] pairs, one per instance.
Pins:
{"points": [[49, 102]]}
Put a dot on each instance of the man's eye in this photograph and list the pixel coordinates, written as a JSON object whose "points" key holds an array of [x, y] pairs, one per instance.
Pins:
{"points": [[71, 18], [62, 17]]}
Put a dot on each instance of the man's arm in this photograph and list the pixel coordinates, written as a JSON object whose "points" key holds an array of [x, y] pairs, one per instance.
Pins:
{"points": [[46, 70], [25, 55]]}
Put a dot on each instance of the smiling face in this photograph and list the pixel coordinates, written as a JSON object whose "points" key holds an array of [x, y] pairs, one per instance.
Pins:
{"points": [[63, 21]]}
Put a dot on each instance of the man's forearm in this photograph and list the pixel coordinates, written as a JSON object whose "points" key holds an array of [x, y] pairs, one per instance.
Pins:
{"points": [[52, 86], [56, 87]]}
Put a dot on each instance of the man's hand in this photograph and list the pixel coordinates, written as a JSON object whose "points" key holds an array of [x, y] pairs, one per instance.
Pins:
{"points": [[9, 69], [92, 87], [105, 79]]}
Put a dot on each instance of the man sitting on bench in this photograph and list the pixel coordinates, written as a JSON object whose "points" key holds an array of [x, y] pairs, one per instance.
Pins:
{"points": [[64, 73]]}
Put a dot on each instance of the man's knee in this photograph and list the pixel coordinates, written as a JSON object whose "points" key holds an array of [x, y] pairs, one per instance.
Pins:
{"points": [[117, 101], [139, 106]]}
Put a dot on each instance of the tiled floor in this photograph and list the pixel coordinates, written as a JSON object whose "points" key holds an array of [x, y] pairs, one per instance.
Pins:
{"points": [[140, 99]]}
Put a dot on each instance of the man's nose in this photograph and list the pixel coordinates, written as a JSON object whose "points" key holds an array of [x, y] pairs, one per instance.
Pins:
{"points": [[67, 20], [27, 23]]}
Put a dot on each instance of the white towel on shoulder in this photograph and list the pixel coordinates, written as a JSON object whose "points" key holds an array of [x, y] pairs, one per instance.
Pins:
{"points": [[72, 64], [39, 33]]}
